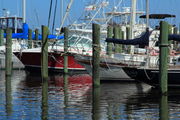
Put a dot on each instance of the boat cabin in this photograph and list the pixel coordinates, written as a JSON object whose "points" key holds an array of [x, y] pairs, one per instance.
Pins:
{"points": [[15, 23]]}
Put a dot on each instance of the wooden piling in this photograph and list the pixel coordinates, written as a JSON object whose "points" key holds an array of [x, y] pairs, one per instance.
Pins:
{"points": [[44, 52], [30, 38], [120, 37], [163, 110], [36, 38], [128, 35], [175, 43], [96, 104], [116, 36], [36, 34], [8, 95], [170, 31], [66, 96], [123, 37], [66, 32], [44, 99], [1, 37], [175, 30], [109, 45], [8, 65], [163, 73], [96, 55]]}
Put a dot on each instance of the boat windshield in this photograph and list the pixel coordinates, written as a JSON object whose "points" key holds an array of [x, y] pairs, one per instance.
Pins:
{"points": [[77, 41]]}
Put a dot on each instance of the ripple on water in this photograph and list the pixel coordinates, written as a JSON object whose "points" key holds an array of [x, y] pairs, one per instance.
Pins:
{"points": [[114, 100]]}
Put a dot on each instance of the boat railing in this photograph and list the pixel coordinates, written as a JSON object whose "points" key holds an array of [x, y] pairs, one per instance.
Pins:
{"points": [[53, 45]]}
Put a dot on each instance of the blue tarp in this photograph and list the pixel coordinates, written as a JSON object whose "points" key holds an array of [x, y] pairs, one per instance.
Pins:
{"points": [[174, 37], [143, 40], [24, 35]]}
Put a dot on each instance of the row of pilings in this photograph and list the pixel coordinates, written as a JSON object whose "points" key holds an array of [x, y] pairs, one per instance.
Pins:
{"points": [[115, 32], [112, 32], [163, 64]]}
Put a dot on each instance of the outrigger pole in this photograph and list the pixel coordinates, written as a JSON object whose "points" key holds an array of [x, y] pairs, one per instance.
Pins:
{"points": [[66, 14]]}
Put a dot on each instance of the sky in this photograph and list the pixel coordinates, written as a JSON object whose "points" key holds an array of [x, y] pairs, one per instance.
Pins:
{"points": [[37, 11]]}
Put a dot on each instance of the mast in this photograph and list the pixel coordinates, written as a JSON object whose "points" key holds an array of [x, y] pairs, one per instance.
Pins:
{"points": [[62, 10], [147, 26], [24, 10], [132, 22], [133, 17], [147, 13]]}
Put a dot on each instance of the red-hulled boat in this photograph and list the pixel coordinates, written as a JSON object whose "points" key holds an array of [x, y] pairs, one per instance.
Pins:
{"points": [[31, 58]]}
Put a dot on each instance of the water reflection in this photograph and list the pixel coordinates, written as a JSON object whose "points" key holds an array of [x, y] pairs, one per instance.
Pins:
{"points": [[96, 103], [8, 96], [44, 114], [163, 110], [152, 105], [114, 96], [65, 97], [65, 76], [67, 94]]}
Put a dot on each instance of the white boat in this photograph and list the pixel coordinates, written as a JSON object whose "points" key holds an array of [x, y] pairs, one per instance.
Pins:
{"points": [[110, 67], [16, 24]]}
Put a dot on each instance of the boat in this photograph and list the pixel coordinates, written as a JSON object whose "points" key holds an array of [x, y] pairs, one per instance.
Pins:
{"points": [[110, 69], [142, 61], [150, 74], [80, 43], [16, 24], [111, 66], [31, 58]]}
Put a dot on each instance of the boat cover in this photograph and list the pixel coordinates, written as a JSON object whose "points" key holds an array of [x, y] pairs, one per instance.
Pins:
{"points": [[174, 37], [143, 40], [24, 34]]}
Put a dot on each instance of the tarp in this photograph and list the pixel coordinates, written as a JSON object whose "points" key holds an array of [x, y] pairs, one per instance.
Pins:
{"points": [[24, 34], [143, 40], [174, 37]]}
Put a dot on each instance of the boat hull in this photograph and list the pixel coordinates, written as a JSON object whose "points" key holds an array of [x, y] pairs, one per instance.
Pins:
{"points": [[109, 68], [32, 61], [16, 64], [151, 76]]}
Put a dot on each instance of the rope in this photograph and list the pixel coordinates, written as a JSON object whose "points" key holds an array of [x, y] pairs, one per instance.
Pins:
{"points": [[147, 74]]}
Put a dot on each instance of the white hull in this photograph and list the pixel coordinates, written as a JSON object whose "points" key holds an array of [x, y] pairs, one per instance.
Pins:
{"points": [[15, 61], [107, 72]]}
